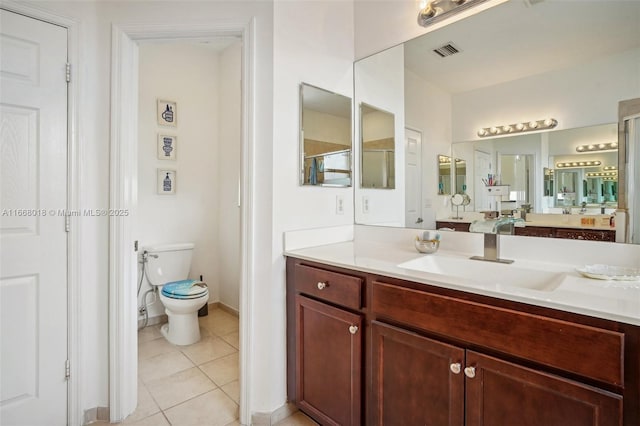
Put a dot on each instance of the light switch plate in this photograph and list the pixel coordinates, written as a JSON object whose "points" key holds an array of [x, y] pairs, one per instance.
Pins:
{"points": [[365, 204]]}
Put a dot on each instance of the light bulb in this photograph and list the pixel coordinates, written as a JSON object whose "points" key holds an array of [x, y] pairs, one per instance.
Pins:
{"points": [[520, 126], [533, 124], [493, 130], [482, 132]]}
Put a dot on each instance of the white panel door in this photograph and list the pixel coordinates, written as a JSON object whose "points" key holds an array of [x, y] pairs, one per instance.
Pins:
{"points": [[413, 179], [33, 240], [481, 167]]}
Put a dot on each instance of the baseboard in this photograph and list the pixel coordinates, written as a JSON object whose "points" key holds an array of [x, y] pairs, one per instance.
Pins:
{"points": [[96, 414], [226, 308], [268, 419], [159, 319]]}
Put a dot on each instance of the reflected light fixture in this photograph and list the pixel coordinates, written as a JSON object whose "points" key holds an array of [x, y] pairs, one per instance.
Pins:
{"points": [[597, 147], [530, 126], [609, 168], [434, 10], [602, 174], [570, 164]]}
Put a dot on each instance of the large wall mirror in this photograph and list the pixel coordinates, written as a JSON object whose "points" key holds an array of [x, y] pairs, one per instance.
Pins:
{"points": [[517, 62], [325, 137]]}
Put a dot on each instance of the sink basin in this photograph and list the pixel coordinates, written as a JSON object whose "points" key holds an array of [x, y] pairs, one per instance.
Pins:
{"points": [[487, 273]]}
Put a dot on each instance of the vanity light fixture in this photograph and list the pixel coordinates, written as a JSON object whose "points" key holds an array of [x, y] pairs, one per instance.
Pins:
{"points": [[434, 10], [597, 147], [602, 174], [610, 168], [530, 126], [570, 164]]}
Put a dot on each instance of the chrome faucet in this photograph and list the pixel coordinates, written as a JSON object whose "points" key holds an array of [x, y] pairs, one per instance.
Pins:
{"points": [[492, 229]]}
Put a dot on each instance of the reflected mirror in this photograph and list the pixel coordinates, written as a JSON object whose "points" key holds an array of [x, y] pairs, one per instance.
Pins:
{"points": [[450, 82], [325, 137], [460, 176], [444, 175], [378, 145]]}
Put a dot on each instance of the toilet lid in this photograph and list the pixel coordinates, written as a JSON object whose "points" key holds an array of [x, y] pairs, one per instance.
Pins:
{"points": [[185, 289]]}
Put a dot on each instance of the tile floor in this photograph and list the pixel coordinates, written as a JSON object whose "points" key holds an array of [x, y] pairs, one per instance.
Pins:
{"points": [[195, 385]]}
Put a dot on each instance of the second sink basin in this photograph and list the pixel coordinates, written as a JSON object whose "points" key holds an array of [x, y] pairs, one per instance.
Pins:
{"points": [[487, 273]]}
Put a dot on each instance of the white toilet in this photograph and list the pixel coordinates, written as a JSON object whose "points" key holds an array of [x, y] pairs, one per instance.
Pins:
{"points": [[168, 268]]}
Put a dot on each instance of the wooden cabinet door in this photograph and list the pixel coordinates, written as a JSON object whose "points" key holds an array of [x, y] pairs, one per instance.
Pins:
{"points": [[328, 362], [416, 380], [502, 393]]}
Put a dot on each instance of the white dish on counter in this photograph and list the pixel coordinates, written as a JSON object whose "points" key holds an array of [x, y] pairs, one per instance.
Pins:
{"points": [[609, 272]]}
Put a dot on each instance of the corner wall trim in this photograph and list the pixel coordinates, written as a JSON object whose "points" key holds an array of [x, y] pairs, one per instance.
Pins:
{"points": [[268, 419]]}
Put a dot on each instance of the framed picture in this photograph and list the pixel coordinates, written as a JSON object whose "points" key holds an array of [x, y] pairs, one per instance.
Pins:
{"points": [[167, 113], [166, 182], [167, 148]]}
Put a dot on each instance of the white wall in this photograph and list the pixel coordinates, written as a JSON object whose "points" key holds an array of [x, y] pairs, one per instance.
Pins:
{"points": [[189, 75], [93, 79], [380, 83], [228, 169], [428, 110], [312, 44]]}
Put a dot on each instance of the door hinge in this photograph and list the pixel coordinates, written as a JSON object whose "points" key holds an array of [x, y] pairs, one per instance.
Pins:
{"points": [[67, 223], [67, 369], [68, 72]]}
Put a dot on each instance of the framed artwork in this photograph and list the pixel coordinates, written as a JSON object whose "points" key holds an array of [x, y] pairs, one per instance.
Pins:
{"points": [[167, 148], [167, 113], [166, 182]]}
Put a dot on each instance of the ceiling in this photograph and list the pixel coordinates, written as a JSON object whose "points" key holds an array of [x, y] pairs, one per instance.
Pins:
{"points": [[521, 38]]}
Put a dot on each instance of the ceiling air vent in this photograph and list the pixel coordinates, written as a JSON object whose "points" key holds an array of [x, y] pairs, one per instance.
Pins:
{"points": [[446, 50]]}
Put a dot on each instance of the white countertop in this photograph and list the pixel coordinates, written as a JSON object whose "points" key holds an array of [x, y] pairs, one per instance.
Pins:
{"points": [[613, 300]]}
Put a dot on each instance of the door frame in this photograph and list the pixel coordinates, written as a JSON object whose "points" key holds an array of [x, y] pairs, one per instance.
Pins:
{"points": [[123, 195], [75, 413]]}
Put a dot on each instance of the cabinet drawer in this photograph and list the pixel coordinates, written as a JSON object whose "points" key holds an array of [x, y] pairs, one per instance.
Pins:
{"points": [[333, 287], [580, 349]]}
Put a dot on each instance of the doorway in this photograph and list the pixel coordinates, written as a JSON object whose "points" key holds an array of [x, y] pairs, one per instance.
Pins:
{"points": [[188, 178], [123, 262]]}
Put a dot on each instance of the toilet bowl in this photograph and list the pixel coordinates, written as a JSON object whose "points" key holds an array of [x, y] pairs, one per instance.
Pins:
{"points": [[168, 268]]}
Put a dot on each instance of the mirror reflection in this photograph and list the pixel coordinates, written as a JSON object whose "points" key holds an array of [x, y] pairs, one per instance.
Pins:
{"points": [[444, 175], [378, 144], [325, 137], [486, 80]]}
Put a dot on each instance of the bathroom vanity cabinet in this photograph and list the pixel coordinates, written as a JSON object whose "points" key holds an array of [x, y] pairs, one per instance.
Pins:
{"points": [[325, 343], [568, 233], [457, 226], [545, 231], [424, 354]]}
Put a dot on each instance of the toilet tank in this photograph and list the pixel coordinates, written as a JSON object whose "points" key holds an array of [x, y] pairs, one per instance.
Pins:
{"points": [[168, 262]]}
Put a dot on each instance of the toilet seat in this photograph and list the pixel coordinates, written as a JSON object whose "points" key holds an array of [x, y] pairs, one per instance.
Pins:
{"points": [[185, 289]]}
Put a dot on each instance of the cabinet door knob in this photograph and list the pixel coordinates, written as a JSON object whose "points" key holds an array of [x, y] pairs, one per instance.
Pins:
{"points": [[470, 372], [321, 285], [455, 367], [353, 329]]}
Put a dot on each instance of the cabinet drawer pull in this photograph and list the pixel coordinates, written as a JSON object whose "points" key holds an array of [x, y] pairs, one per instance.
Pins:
{"points": [[353, 329], [470, 372], [321, 285], [455, 367]]}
